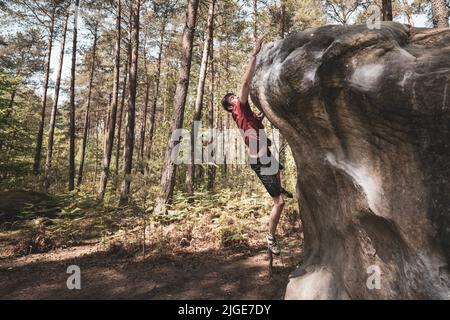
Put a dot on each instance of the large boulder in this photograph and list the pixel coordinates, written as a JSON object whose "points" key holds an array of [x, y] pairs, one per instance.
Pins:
{"points": [[367, 116]]}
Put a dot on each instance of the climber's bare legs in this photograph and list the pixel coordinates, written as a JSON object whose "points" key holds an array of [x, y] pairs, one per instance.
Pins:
{"points": [[277, 209], [278, 205]]}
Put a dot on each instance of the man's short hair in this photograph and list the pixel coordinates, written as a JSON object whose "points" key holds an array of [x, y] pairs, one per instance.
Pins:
{"points": [[225, 103]]}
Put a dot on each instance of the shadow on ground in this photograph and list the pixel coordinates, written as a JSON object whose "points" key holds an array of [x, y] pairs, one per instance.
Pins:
{"points": [[198, 275]]}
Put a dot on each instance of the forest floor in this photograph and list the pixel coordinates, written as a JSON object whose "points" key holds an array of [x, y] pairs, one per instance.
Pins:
{"points": [[212, 249]]}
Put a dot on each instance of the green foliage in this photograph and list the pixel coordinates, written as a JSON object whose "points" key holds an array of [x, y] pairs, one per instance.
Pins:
{"points": [[223, 214], [232, 233], [306, 14], [36, 222], [16, 129]]}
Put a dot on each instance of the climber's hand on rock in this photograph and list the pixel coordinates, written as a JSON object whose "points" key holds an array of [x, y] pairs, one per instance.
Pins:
{"points": [[260, 116]]}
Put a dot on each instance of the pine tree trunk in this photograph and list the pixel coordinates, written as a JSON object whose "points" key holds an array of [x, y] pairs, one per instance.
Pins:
{"points": [[155, 99], [144, 120], [211, 168], [113, 112], [96, 148], [72, 102], [123, 102], [282, 19], [165, 95], [281, 150], [226, 121], [190, 175], [440, 13], [51, 131], [387, 10], [106, 122], [120, 119], [169, 167], [131, 112], [144, 127], [88, 107], [40, 135]]}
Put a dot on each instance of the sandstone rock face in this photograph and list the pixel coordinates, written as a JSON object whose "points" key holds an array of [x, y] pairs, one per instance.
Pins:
{"points": [[367, 116]]}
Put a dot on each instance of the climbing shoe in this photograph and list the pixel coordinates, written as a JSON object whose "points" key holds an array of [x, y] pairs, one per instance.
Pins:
{"points": [[272, 245], [287, 193]]}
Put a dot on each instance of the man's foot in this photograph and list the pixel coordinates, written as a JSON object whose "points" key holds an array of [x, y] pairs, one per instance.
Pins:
{"points": [[272, 245], [287, 193]]}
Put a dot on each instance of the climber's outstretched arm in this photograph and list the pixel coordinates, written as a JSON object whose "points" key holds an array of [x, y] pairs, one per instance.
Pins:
{"points": [[249, 72]]}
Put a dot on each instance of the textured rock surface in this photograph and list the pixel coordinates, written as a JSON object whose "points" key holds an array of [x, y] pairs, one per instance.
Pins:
{"points": [[367, 115]]}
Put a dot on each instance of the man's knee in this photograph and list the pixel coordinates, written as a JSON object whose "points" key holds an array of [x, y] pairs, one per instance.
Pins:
{"points": [[279, 201]]}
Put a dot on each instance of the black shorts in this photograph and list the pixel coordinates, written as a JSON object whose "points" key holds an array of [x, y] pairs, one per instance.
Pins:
{"points": [[270, 181]]}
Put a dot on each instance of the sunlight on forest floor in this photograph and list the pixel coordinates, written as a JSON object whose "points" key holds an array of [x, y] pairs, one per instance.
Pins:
{"points": [[217, 230], [35, 223]]}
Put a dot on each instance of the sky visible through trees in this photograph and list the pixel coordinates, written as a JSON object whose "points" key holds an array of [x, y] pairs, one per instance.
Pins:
{"points": [[419, 20]]}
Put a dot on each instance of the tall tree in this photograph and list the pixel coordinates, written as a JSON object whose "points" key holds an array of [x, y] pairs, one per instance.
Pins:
{"points": [[21, 56], [113, 108], [282, 19], [123, 100], [199, 100], [163, 10], [283, 142], [211, 168], [169, 167], [51, 131], [40, 135], [440, 13], [387, 10], [122, 107], [131, 112], [72, 100], [88, 105], [155, 98], [144, 120]]}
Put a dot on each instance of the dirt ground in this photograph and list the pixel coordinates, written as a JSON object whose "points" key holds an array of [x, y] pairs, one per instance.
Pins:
{"points": [[202, 275], [217, 252]]}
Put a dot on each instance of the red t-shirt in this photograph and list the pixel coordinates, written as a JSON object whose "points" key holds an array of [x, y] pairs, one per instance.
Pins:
{"points": [[247, 120]]}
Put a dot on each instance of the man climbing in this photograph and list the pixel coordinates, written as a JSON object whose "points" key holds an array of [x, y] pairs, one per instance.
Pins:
{"points": [[257, 145]]}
